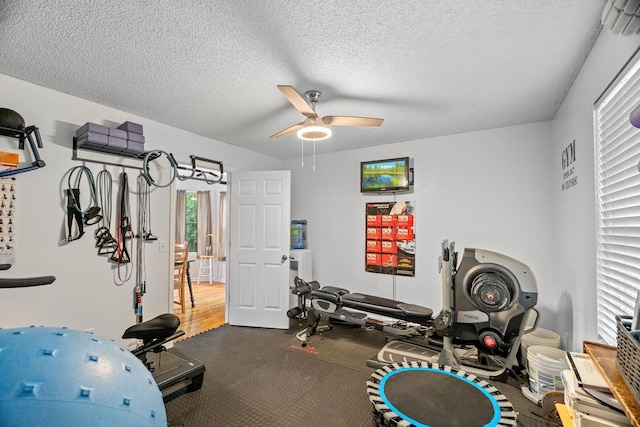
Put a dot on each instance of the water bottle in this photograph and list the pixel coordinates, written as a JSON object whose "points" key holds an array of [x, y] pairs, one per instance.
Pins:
{"points": [[299, 234]]}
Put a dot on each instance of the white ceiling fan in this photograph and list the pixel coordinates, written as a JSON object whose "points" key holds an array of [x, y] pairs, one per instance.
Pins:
{"points": [[315, 128]]}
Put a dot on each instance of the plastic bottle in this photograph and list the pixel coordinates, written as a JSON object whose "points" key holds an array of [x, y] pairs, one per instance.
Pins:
{"points": [[299, 234]]}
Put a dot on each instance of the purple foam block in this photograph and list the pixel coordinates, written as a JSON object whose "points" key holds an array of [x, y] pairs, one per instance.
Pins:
{"points": [[134, 147], [92, 140], [118, 133], [92, 127], [135, 137], [116, 145], [131, 127], [634, 117]]}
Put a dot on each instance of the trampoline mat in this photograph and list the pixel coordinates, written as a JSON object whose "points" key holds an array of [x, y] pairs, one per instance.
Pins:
{"points": [[423, 394]]}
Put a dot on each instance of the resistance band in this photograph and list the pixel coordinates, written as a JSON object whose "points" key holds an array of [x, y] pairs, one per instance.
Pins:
{"points": [[141, 273], [105, 242], [74, 211], [125, 232]]}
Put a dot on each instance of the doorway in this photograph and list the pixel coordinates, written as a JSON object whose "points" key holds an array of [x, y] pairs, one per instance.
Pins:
{"points": [[207, 255]]}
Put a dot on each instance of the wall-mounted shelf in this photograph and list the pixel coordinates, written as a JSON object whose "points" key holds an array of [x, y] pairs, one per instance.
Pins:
{"points": [[124, 154]]}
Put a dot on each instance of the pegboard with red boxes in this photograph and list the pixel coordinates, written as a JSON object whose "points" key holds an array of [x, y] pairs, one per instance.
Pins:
{"points": [[390, 238]]}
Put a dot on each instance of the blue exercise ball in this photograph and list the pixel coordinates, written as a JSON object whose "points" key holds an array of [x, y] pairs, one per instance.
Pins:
{"points": [[63, 377]]}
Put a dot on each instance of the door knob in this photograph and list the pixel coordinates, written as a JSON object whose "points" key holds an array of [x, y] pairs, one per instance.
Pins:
{"points": [[284, 258]]}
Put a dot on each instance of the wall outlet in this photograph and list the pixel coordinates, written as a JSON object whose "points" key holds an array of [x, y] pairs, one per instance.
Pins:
{"points": [[162, 246]]}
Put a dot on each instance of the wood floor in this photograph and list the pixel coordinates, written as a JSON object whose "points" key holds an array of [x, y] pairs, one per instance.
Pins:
{"points": [[208, 312]]}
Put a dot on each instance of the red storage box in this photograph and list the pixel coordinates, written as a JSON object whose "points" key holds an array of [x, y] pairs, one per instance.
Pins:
{"points": [[373, 233], [388, 233], [405, 220], [388, 247], [404, 234], [373, 220], [373, 259], [389, 220], [373, 245]]}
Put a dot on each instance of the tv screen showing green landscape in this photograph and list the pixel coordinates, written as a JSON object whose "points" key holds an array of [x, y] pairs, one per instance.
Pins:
{"points": [[384, 175]]}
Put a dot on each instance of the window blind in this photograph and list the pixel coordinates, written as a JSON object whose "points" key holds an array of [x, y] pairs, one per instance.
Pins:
{"points": [[618, 201]]}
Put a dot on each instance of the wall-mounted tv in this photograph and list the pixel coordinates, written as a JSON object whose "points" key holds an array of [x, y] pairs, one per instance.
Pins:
{"points": [[388, 175]]}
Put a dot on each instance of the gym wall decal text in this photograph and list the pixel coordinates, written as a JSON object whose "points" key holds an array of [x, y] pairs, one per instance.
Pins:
{"points": [[569, 177]]}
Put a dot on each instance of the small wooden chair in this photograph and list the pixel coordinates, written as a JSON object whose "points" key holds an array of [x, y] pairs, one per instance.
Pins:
{"points": [[179, 272]]}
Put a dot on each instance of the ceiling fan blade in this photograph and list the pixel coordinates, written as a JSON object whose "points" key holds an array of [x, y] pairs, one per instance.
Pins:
{"points": [[351, 121], [297, 100], [287, 131]]}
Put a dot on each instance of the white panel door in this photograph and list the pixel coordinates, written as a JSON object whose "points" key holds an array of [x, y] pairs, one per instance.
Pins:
{"points": [[259, 249]]}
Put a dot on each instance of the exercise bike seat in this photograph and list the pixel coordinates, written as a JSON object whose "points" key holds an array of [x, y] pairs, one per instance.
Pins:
{"points": [[388, 307], [158, 328]]}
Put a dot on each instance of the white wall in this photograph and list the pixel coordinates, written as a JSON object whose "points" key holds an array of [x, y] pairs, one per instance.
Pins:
{"points": [[574, 209], [499, 189], [86, 293], [489, 189]]}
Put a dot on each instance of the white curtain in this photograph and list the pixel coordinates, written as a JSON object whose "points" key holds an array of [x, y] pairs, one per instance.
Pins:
{"points": [[205, 229], [181, 220]]}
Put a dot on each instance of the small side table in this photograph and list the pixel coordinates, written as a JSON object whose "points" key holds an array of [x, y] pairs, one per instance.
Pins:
{"points": [[206, 268]]}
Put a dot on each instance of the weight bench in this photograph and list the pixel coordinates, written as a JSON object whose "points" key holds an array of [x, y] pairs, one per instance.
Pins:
{"points": [[396, 317]]}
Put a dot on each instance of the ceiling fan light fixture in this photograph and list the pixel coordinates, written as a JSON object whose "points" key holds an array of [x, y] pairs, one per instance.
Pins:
{"points": [[314, 133]]}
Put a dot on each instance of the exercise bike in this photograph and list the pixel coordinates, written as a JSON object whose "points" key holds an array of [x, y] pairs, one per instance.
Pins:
{"points": [[171, 372], [488, 305]]}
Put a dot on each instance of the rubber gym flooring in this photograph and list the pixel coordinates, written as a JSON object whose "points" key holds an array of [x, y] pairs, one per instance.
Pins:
{"points": [[263, 377]]}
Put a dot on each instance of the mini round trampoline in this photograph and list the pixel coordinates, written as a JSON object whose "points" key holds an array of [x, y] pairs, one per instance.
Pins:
{"points": [[422, 394]]}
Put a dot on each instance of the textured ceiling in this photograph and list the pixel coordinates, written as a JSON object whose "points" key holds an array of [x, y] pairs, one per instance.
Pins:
{"points": [[428, 68]]}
